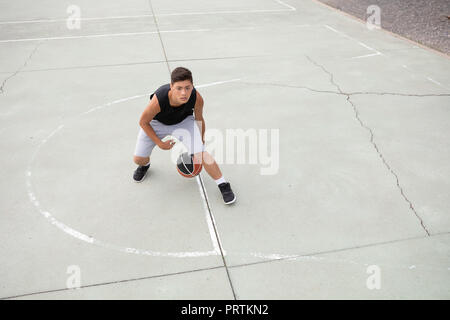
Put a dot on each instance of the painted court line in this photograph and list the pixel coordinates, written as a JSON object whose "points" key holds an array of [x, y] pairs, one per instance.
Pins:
{"points": [[289, 9], [102, 35], [353, 39], [124, 34], [223, 12], [286, 5], [377, 53], [216, 83], [428, 78], [366, 55], [209, 221], [81, 19], [434, 81], [88, 239], [332, 260]]}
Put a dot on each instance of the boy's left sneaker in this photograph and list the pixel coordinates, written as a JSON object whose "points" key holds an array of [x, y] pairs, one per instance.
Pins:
{"points": [[227, 193], [140, 173]]}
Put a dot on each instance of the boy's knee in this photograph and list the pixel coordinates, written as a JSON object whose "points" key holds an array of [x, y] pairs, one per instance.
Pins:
{"points": [[201, 154], [203, 157], [142, 161]]}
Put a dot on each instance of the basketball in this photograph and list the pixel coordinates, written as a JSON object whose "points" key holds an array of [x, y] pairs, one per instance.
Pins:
{"points": [[186, 166]]}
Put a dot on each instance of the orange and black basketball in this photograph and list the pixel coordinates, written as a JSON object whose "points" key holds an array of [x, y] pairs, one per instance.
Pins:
{"points": [[186, 166]]}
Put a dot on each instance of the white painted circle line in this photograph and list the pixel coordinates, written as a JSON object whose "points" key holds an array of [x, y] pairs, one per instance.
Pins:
{"points": [[83, 237]]}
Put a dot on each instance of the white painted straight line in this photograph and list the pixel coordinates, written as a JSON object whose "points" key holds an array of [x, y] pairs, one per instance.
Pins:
{"points": [[438, 83], [334, 30], [376, 51], [428, 78], [137, 33], [272, 256], [341, 33], [209, 215], [185, 30], [78, 37], [353, 39], [286, 5], [216, 83], [81, 19], [209, 220], [157, 15], [131, 34], [332, 260], [367, 55], [52, 134], [434, 81], [367, 47], [222, 12], [102, 35]]}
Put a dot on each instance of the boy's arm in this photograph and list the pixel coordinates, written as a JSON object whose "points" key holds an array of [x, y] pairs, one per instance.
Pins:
{"points": [[149, 113], [198, 114]]}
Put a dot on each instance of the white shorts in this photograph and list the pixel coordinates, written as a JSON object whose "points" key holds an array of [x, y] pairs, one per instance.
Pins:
{"points": [[187, 131]]}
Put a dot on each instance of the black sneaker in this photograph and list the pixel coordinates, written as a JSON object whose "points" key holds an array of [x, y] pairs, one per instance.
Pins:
{"points": [[227, 193], [140, 173]]}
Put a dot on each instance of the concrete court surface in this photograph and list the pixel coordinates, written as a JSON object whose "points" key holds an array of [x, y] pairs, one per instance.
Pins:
{"points": [[356, 205]]}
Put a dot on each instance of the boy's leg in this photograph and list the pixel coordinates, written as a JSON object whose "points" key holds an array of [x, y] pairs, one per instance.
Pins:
{"points": [[208, 163], [144, 148], [189, 133], [213, 170], [141, 161]]}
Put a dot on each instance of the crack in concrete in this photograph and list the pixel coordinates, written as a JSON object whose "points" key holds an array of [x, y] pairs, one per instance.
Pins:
{"points": [[159, 34], [288, 86], [132, 64], [340, 92], [20, 69], [320, 254], [112, 282], [402, 94], [386, 164], [373, 143], [326, 71], [203, 189], [348, 93]]}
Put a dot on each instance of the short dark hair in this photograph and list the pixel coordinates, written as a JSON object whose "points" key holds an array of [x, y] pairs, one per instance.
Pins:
{"points": [[180, 74]]}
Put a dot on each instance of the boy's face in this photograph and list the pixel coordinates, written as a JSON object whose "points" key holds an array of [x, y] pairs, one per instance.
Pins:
{"points": [[181, 91]]}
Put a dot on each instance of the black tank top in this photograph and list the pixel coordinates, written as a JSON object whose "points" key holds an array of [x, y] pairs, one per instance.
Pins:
{"points": [[171, 115]]}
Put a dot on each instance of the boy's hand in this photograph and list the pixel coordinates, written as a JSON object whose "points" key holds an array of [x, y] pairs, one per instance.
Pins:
{"points": [[166, 145]]}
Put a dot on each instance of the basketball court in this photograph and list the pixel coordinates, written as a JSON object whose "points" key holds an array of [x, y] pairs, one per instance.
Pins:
{"points": [[342, 189]]}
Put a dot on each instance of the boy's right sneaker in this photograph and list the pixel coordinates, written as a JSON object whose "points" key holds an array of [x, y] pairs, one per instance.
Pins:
{"points": [[140, 173]]}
